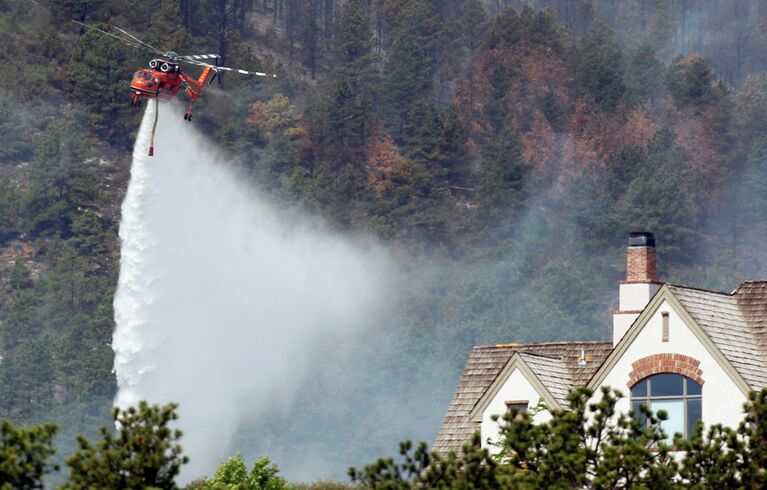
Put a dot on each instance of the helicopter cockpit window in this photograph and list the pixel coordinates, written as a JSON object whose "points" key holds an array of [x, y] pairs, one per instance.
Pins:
{"points": [[147, 76], [138, 74]]}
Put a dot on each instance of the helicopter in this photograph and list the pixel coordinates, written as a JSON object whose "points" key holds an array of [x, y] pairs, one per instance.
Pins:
{"points": [[164, 78]]}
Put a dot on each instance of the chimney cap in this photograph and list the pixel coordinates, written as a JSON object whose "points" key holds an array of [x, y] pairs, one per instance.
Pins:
{"points": [[641, 239]]}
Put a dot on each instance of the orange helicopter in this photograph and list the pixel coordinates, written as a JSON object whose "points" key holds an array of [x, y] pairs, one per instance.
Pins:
{"points": [[164, 77]]}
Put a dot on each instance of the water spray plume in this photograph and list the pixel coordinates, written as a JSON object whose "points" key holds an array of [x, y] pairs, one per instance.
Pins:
{"points": [[223, 304]]}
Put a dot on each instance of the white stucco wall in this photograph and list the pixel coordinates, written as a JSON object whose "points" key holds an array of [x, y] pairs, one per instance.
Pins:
{"points": [[722, 399], [634, 296], [516, 387], [621, 324]]}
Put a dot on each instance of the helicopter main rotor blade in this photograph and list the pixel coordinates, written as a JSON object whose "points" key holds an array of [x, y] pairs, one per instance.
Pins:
{"points": [[242, 72], [161, 53], [121, 39], [201, 57]]}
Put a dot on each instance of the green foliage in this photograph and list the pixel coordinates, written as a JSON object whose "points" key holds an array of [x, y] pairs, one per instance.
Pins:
{"points": [[657, 199], [692, 83], [527, 28], [144, 452], [644, 74], [96, 74], [32, 52], [472, 22], [729, 458], [410, 64], [437, 138], [11, 206], [16, 141], [27, 377], [473, 470], [24, 454], [232, 474], [21, 276], [82, 10], [589, 445], [164, 28], [62, 182], [600, 70], [501, 181]]}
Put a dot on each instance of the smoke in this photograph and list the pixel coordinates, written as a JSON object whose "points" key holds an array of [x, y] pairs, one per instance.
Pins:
{"points": [[224, 304]]}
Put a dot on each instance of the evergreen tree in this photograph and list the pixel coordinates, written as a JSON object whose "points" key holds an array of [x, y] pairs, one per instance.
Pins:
{"points": [[144, 452], [644, 74], [502, 175], [166, 28], [11, 204], [437, 138], [411, 61], [658, 199], [692, 83], [24, 454], [62, 182], [21, 277], [472, 22], [95, 75], [81, 10], [28, 377], [600, 67], [16, 143]]}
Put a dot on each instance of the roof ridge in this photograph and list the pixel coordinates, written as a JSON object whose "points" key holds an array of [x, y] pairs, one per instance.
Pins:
{"points": [[517, 346], [695, 288], [750, 281], [543, 356]]}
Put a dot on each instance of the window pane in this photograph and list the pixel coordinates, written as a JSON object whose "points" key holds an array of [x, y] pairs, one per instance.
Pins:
{"points": [[639, 389], [693, 388], [519, 407], [675, 422], [666, 385], [636, 413], [694, 412]]}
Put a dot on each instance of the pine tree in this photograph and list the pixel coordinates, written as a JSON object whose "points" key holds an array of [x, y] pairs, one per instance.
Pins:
{"points": [[692, 83], [16, 144], [24, 454], [644, 74], [472, 23], [61, 181], [166, 28], [501, 181], [600, 68], [411, 61], [144, 452], [95, 76]]}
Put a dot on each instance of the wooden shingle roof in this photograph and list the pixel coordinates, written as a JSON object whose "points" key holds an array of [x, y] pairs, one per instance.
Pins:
{"points": [[555, 363], [735, 322]]}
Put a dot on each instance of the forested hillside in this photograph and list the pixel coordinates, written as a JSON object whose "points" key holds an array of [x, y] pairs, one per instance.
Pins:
{"points": [[503, 150]]}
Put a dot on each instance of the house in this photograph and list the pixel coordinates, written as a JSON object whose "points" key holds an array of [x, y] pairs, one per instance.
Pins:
{"points": [[692, 352]]}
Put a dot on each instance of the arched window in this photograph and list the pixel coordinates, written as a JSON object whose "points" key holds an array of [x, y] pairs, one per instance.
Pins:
{"points": [[678, 395]]}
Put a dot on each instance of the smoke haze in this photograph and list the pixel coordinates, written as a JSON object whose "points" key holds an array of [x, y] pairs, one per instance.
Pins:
{"points": [[223, 305]]}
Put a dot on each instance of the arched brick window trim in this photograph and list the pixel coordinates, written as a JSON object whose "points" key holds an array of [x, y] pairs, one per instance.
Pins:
{"points": [[665, 363]]}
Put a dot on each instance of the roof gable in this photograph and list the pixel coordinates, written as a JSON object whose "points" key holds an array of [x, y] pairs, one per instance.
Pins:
{"points": [[711, 334], [516, 362], [486, 362]]}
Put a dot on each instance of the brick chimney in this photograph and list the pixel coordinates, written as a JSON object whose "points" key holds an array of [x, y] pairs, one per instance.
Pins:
{"points": [[640, 284]]}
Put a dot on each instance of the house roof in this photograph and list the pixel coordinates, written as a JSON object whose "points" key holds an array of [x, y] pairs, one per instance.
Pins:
{"points": [[555, 363], [735, 322]]}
